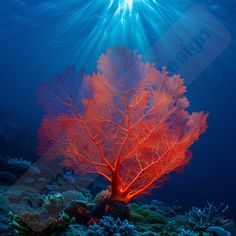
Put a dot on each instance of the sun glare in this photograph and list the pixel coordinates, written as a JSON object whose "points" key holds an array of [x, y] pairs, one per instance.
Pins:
{"points": [[92, 26], [124, 8]]}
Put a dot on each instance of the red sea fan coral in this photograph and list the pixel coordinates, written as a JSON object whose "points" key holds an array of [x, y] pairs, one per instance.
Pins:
{"points": [[128, 122]]}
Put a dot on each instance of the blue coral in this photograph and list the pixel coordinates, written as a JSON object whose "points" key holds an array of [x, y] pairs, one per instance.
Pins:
{"points": [[188, 232], [202, 218], [111, 226], [23, 164]]}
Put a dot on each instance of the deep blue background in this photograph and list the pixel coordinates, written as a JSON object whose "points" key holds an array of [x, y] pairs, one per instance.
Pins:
{"points": [[27, 58]]}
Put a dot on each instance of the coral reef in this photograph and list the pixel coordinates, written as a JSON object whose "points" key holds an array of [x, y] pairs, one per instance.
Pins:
{"points": [[202, 218], [72, 212], [74, 195], [55, 202], [156, 219], [23, 164], [147, 218], [31, 224], [173, 221], [11, 168], [107, 226]]}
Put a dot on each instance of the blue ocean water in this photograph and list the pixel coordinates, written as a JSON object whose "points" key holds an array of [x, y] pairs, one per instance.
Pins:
{"points": [[41, 38]]}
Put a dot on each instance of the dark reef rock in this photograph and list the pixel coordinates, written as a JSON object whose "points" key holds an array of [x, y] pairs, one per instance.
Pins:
{"points": [[104, 206], [79, 211], [118, 210], [100, 202]]}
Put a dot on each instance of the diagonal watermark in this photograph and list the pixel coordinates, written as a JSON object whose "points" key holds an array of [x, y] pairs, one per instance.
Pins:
{"points": [[191, 45], [25, 196]]}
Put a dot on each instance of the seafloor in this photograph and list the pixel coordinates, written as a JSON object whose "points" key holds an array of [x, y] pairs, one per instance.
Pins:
{"points": [[30, 204]]}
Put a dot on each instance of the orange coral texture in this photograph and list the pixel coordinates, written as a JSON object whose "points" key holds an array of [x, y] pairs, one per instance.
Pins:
{"points": [[128, 122]]}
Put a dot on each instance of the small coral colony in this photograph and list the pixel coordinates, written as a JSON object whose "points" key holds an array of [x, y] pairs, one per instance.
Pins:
{"points": [[128, 123]]}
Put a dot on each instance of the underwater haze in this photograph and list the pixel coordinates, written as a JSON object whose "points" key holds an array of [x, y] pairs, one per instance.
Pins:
{"points": [[193, 38]]}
